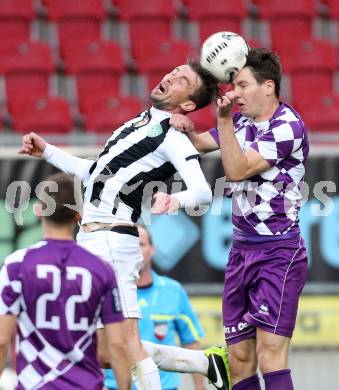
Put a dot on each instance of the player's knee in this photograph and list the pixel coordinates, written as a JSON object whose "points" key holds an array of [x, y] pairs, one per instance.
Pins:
{"points": [[271, 357], [243, 362]]}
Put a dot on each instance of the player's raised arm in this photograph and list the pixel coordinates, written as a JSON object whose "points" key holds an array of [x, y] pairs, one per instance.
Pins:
{"points": [[34, 145], [185, 161], [238, 165], [203, 142]]}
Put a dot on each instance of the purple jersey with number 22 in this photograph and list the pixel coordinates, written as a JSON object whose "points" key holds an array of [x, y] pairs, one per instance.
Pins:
{"points": [[58, 291]]}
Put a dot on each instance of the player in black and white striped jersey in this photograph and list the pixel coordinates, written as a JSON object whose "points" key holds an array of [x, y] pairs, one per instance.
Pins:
{"points": [[138, 157]]}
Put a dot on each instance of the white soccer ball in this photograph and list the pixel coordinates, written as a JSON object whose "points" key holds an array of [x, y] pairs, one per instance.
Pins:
{"points": [[224, 54]]}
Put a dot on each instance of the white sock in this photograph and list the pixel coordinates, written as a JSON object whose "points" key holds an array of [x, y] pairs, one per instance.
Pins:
{"points": [[177, 359], [146, 375]]}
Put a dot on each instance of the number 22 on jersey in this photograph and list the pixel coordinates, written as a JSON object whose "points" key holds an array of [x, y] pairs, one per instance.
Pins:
{"points": [[53, 323]]}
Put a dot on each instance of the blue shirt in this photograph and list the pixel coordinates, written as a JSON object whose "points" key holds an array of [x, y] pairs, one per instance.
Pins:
{"points": [[166, 313]]}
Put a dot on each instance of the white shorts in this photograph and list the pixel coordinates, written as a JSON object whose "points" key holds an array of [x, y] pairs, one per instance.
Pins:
{"points": [[123, 252]]}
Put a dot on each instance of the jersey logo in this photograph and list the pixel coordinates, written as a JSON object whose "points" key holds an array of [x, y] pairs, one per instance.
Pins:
{"points": [[160, 330], [154, 131], [142, 122]]}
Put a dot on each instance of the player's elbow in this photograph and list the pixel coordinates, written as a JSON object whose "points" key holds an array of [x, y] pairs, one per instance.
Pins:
{"points": [[233, 178], [103, 357], [117, 349]]}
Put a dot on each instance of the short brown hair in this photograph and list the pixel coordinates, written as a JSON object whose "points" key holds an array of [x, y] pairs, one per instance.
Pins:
{"points": [[66, 194], [209, 90], [265, 65]]}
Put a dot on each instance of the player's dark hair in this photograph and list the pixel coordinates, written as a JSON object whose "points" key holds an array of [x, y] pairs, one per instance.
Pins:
{"points": [[148, 233], [209, 90], [265, 65], [66, 194]]}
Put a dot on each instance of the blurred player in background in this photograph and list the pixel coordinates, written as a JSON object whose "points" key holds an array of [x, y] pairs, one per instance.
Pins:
{"points": [[166, 313], [138, 158], [55, 292], [264, 148]]}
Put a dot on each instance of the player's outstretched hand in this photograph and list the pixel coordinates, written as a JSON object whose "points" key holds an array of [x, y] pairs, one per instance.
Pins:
{"points": [[225, 104], [164, 203], [182, 123], [33, 145]]}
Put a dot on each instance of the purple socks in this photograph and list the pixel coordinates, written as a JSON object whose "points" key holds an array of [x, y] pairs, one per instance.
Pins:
{"points": [[251, 383], [278, 380]]}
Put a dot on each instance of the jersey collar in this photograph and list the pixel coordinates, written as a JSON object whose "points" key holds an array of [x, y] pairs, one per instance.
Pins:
{"points": [[159, 115]]}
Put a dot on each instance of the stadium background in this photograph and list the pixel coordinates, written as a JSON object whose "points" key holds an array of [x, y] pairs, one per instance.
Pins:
{"points": [[76, 69]]}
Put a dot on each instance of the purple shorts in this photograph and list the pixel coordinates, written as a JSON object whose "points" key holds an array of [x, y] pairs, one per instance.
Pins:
{"points": [[263, 282]]}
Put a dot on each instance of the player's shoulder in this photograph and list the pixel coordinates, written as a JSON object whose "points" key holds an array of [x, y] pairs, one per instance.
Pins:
{"points": [[89, 257], [177, 134], [19, 255], [167, 282], [286, 114], [288, 120], [99, 268]]}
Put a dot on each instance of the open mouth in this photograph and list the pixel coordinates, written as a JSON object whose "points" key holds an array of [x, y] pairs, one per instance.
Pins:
{"points": [[161, 88]]}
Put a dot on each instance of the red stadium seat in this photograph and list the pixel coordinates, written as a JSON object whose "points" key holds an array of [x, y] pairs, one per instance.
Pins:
{"points": [[96, 65], [77, 30], [142, 34], [202, 9], [96, 84], [165, 57], [204, 119], [333, 8], [290, 20], [275, 9], [94, 56], [148, 23], [321, 114], [75, 9], [216, 15], [15, 18], [150, 9], [76, 19], [307, 86], [107, 115], [27, 69], [310, 55], [50, 115]]}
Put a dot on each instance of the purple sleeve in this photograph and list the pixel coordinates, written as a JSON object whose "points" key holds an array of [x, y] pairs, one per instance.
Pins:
{"points": [[111, 310], [10, 289], [215, 134]]}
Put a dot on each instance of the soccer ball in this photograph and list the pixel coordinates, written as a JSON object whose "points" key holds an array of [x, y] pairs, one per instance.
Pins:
{"points": [[224, 54]]}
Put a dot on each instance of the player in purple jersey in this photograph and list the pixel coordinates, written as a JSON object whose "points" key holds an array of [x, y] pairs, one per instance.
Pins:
{"points": [[264, 148], [56, 291]]}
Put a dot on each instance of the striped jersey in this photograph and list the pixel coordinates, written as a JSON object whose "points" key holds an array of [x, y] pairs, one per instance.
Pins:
{"points": [[135, 162]]}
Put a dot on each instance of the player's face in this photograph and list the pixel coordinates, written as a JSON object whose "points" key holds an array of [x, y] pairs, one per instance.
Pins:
{"points": [[253, 98], [147, 249], [173, 91]]}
